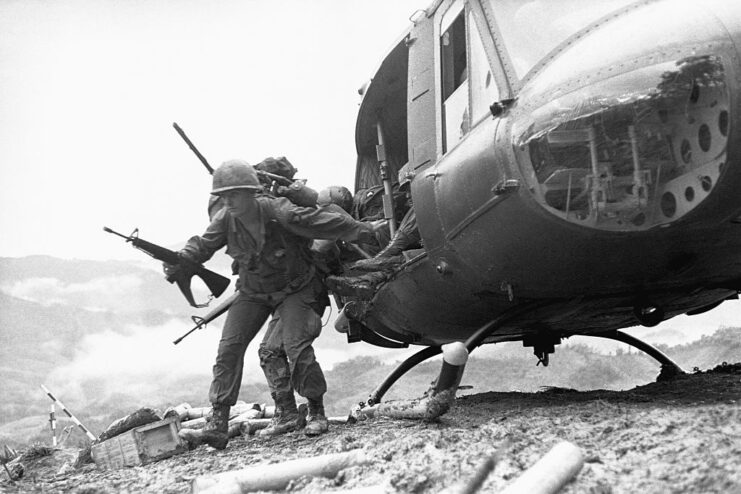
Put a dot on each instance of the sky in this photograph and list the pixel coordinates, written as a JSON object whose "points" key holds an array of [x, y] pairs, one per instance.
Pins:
{"points": [[89, 90]]}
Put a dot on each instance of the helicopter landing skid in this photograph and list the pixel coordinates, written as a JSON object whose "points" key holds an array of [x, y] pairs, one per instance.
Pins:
{"points": [[439, 397], [669, 368]]}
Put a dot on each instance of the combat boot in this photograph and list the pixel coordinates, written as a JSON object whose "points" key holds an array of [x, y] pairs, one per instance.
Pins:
{"points": [[216, 432], [363, 287], [286, 417], [378, 263], [316, 421]]}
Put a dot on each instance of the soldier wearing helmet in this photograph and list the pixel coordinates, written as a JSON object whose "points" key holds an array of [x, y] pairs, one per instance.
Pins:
{"points": [[406, 237], [269, 237], [335, 194]]}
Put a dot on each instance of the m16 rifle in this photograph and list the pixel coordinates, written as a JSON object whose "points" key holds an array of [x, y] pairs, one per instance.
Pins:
{"points": [[216, 283], [267, 176], [200, 322]]}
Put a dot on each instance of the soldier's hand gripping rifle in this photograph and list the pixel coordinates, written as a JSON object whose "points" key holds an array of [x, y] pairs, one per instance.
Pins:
{"points": [[214, 281], [202, 321]]}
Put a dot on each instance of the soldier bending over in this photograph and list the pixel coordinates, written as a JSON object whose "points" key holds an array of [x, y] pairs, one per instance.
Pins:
{"points": [[269, 238], [407, 237]]}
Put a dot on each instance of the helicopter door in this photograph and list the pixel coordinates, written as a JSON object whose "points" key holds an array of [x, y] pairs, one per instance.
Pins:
{"points": [[421, 118], [460, 181]]}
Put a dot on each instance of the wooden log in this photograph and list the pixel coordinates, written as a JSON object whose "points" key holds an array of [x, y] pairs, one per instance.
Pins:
{"points": [[241, 407], [474, 483], [180, 411], [238, 409], [251, 426], [338, 420], [194, 437], [549, 474], [277, 476], [194, 424], [196, 413], [247, 415]]}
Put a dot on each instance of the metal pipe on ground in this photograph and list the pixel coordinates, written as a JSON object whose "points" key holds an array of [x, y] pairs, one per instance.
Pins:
{"points": [[276, 476], [438, 399]]}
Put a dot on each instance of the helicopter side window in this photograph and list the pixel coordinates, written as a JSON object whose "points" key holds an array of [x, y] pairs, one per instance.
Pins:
{"points": [[454, 75]]}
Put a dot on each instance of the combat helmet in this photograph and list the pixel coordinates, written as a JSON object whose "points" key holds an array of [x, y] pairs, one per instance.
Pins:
{"points": [[235, 174], [336, 194], [406, 175]]}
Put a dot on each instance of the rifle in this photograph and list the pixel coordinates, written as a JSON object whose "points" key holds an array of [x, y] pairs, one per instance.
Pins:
{"points": [[202, 321], [270, 177], [214, 281], [193, 148]]}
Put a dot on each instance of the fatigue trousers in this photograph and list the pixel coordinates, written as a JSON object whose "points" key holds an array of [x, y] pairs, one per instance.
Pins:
{"points": [[286, 355]]}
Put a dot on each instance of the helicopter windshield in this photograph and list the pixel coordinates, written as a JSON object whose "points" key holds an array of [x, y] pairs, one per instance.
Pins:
{"points": [[636, 150], [532, 28]]}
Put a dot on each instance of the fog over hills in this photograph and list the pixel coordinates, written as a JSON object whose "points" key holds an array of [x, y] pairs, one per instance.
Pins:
{"points": [[99, 335], [93, 330]]}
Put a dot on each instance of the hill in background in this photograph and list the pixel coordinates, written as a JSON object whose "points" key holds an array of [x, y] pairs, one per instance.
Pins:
{"points": [[576, 367], [99, 335]]}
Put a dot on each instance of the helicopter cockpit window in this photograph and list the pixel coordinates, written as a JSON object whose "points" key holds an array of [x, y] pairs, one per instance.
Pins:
{"points": [[454, 65], [638, 150], [532, 28]]}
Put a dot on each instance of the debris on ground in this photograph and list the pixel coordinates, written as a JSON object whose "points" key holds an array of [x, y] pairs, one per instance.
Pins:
{"points": [[682, 435]]}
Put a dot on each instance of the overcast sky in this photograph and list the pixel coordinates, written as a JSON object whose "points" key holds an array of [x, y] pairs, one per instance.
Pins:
{"points": [[89, 90]]}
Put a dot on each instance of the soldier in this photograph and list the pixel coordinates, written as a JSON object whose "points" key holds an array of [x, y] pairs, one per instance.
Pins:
{"points": [[406, 237], [269, 238]]}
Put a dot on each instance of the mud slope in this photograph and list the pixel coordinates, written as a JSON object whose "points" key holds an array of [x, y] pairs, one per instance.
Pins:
{"points": [[678, 436]]}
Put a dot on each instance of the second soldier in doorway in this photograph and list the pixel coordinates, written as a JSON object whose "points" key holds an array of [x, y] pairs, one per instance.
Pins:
{"points": [[378, 268], [269, 238]]}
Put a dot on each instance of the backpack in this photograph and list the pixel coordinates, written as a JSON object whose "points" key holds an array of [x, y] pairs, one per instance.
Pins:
{"points": [[277, 166]]}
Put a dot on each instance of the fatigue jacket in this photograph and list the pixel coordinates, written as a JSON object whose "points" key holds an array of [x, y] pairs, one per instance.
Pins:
{"points": [[276, 257]]}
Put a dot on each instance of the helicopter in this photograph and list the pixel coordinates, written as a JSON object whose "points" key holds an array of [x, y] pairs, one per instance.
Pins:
{"points": [[576, 167]]}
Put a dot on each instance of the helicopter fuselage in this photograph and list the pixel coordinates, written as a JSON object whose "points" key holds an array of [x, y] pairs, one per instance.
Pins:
{"points": [[601, 186]]}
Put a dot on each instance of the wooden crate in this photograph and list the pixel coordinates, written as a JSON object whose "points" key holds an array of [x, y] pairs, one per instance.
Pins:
{"points": [[140, 445]]}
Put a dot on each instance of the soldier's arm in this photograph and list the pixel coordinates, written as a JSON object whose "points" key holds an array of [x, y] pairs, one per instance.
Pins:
{"points": [[318, 223], [200, 248]]}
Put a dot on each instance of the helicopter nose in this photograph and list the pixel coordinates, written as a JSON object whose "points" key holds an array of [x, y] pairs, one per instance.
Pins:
{"points": [[639, 146]]}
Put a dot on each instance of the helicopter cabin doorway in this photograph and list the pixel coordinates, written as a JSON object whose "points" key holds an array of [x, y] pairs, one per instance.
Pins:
{"points": [[383, 116]]}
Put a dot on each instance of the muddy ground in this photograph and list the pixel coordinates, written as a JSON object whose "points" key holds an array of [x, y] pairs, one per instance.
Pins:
{"points": [[678, 436]]}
